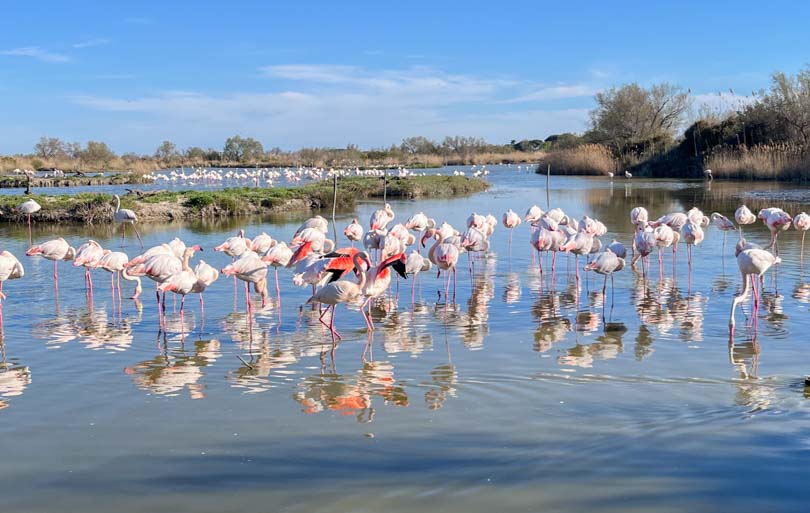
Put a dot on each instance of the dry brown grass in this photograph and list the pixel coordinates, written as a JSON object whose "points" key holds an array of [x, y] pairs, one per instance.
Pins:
{"points": [[141, 166], [761, 162], [588, 159]]}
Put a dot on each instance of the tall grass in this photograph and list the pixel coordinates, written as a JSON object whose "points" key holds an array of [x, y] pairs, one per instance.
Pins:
{"points": [[781, 161], [588, 159]]}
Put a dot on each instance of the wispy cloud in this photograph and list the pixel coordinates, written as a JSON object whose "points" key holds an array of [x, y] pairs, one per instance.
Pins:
{"points": [[557, 92], [332, 105], [91, 42], [36, 53]]}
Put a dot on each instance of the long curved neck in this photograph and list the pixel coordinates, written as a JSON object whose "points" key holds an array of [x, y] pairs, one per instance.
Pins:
{"points": [[358, 266], [439, 240], [186, 259], [117, 203]]}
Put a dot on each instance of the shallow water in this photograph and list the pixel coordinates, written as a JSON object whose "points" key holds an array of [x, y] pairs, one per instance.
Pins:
{"points": [[518, 397]]}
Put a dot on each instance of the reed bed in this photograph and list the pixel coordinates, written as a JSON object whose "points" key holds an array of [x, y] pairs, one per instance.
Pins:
{"points": [[779, 161], [588, 159]]}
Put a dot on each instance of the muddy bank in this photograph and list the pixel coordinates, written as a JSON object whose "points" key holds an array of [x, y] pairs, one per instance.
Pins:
{"points": [[188, 205]]}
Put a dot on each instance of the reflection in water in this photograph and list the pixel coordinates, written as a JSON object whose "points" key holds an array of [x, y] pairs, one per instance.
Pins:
{"points": [[512, 290], [443, 380], [752, 391], [351, 394], [176, 369], [607, 347], [91, 327], [14, 378]]}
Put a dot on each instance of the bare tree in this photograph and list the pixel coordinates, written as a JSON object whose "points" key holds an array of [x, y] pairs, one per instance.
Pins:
{"points": [[49, 147], [790, 99]]}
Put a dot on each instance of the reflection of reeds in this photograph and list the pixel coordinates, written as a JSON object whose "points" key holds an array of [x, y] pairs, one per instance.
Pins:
{"points": [[588, 159], [777, 161]]}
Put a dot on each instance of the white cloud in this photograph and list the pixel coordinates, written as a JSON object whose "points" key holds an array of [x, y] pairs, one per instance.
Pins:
{"points": [[37, 53], [558, 92], [333, 105], [722, 102], [91, 42]]}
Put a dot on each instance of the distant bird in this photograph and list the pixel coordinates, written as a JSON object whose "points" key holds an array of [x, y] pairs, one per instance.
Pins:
{"points": [[707, 174], [744, 216], [27, 208], [610, 175], [56, 250], [802, 223], [126, 216], [627, 174], [753, 263], [724, 224], [354, 232]]}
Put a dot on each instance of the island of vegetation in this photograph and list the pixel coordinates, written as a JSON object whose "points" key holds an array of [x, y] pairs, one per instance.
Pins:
{"points": [[186, 205], [761, 136]]}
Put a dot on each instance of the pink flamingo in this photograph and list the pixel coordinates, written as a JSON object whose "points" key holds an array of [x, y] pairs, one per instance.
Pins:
{"points": [[724, 224], [10, 269], [342, 291], [777, 220], [354, 232], [262, 243], [645, 242], [606, 263], [743, 215], [444, 256], [114, 263], [87, 256], [250, 269], [579, 244], [378, 279], [692, 235], [126, 216], [56, 250], [416, 264], [318, 223], [511, 221], [160, 268], [189, 281], [802, 223], [278, 256], [753, 263], [380, 218], [664, 238]]}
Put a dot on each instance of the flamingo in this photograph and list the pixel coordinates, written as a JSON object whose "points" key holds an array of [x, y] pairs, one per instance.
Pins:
{"points": [[87, 256], [318, 223], [10, 269], [342, 291], [380, 218], [664, 238], [618, 249], [377, 280], [162, 249], [56, 250], [606, 263], [354, 232], [262, 243], [115, 262], [414, 265], [419, 222], [161, 267], [533, 214], [250, 268], [724, 224], [511, 221], [235, 247], [189, 281], [692, 235], [126, 216], [644, 241], [744, 216], [579, 244], [27, 208], [752, 262], [802, 223], [777, 220], [278, 256], [444, 256]]}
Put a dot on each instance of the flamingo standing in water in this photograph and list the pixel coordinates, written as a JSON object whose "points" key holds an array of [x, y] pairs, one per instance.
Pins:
{"points": [[342, 291], [802, 223], [753, 263], [278, 256], [724, 224], [638, 215], [55, 250], [692, 235], [235, 247], [189, 281], [415, 265], [644, 241], [250, 268], [380, 218], [777, 220], [511, 221], [444, 256], [10, 269], [262, 243], [579, 244], [606, 263], [87, 256], [664, 238], [115, 263], [160, 268], [126, 216], [378, 279], [27, 208], [743, 215], [354, 232]]}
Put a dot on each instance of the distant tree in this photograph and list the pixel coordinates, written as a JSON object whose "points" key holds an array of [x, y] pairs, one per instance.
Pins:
{"points": [[166, 151], [418, 146], [195, 154], [73, 150], [49, 147], [213, 155], [244, 150], [789, 98], [632, 114], [528, 144], [97, 153]]}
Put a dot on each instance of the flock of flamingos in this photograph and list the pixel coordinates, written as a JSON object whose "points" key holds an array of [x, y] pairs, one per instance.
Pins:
{"points": [[350, 275]]}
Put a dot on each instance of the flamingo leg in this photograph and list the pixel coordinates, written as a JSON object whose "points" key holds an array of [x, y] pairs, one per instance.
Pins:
{"points": [[202, 306], [138, 235]]}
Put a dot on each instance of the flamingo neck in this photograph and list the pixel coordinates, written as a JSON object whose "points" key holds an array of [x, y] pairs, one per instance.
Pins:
{"points": [[117, 203]]}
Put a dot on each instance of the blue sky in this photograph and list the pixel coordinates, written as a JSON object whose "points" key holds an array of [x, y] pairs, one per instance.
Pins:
{"points": [[296, 74]]}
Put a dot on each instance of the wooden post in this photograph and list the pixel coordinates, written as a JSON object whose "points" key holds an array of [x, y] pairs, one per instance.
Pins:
{"points": [[548, 186], [334, 204], [385, 186]]}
